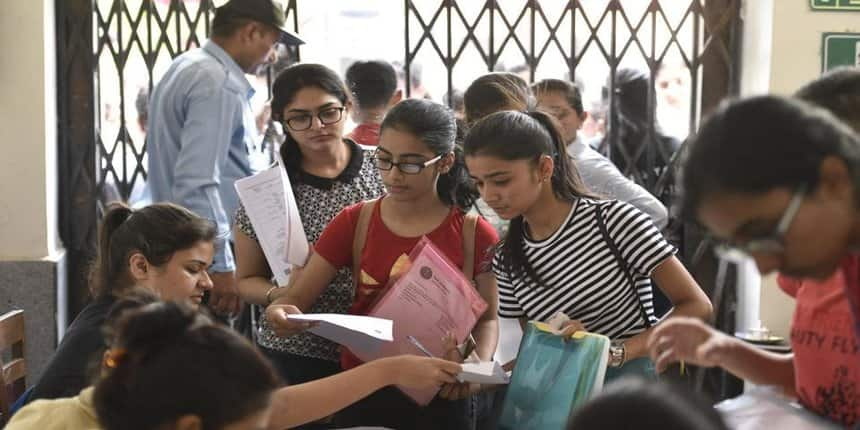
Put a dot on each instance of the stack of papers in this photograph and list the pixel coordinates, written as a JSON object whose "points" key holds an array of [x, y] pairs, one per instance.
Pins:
{"points": [[484, 372]]}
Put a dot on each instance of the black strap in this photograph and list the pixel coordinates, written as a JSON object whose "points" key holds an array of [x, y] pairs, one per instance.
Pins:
{"points": [[621, 262]]}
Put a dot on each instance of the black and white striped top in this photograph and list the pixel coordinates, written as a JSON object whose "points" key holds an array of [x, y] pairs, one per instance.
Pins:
{"points": [[580, 275]]}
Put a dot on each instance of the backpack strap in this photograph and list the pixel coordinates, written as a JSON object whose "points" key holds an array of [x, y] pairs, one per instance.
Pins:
{"points": [[470, 223], [360, 237], [601, 224]]}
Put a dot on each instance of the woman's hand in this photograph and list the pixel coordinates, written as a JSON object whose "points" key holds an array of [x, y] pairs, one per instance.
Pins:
{"points": [[570, 327], [456, 390], [281, 325], [420, 373], [687, 339]]}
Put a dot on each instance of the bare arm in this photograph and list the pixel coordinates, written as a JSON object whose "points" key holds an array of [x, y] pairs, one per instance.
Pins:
{"points": [[486, 331], [305, 287], [686, 296], [299, 404], [252, 270], [693, 341]]}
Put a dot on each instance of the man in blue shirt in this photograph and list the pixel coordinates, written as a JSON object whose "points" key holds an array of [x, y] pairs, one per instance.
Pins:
{"points": [[201, 125]]}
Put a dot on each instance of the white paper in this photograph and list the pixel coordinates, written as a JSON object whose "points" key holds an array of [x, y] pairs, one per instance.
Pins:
{"points": [[484, 372], [356, 332], [270, 205]]}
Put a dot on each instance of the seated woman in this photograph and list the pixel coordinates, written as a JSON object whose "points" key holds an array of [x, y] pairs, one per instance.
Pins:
{"points": [[162, 248], [172, 367]]}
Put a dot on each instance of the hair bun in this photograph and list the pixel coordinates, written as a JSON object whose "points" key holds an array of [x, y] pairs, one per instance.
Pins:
{"points": [[156, 325]]}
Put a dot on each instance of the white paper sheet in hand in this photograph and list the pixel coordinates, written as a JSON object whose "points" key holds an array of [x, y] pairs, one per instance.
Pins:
{"points": [[356, 332], [483, 372], [269, 203], [297, 244]]}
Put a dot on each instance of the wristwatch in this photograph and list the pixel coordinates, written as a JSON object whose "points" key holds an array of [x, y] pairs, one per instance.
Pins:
{"points": [[617, 354]]}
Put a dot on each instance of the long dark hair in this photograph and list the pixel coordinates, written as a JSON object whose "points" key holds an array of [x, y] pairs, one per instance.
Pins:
{"points": [[292, 80], [629, 133], [788, 136], [435, 125], [156, 231], [167, 361], [494, 92], [510, 135]]}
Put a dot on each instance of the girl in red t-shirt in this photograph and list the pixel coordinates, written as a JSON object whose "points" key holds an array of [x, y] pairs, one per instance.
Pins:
{"points": [[428, 192]]}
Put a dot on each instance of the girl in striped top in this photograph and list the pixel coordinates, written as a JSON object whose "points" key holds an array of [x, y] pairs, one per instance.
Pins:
{"points": [[567, 251]]}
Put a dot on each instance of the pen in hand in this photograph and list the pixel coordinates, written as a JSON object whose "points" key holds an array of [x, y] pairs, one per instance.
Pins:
{"points": [[421, 347]]}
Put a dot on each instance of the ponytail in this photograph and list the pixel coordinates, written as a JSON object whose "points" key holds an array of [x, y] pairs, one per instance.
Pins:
{"points": [[156, 231], [510, 135]]}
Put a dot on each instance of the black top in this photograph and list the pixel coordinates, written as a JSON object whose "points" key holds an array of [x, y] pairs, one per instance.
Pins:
{"points": [[69, 370]]}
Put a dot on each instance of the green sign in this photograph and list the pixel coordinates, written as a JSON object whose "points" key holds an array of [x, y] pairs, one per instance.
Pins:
{"points": [[839, 49], [840, 5]]}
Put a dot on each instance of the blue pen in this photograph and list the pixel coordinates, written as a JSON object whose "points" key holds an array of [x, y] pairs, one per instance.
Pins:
{"points": [[420, 346]]}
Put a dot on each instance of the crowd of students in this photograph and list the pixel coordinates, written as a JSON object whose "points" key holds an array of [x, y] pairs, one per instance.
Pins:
{"points": [[539, 221]]}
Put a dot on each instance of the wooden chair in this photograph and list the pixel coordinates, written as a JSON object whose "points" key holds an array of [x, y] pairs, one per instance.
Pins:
{"points": [[12, 374]]}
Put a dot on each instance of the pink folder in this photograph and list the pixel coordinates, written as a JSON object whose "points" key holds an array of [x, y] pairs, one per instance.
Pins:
{"points": [[431, 299]]}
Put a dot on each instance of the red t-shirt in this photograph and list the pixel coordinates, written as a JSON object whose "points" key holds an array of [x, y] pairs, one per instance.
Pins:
{"points": [[826, 349], [365, 134], [386, 254]]}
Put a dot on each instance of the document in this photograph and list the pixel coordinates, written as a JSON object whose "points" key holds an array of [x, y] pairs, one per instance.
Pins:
{"points": [[483, 372], [356, 332], [269, 202], [431, 299]]}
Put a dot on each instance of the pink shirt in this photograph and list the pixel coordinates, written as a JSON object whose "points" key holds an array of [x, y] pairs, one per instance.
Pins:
{"points": [[826, 350]]}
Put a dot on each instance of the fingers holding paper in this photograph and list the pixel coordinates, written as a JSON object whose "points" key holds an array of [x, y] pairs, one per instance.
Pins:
{"points": [[570, 327], [421, 373], [282, 326]]}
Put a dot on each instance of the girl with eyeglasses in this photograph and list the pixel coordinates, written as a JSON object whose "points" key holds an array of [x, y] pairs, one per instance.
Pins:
{"points": [[328, 173], [428, 194], [777, 179]]}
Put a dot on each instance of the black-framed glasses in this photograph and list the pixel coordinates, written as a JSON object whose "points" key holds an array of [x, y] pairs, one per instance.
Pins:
{"points": [[773, 243], [405, 167], [302, 122]]}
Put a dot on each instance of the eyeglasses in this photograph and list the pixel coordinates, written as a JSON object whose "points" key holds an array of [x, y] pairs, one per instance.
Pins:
{"points": [[305, 121], [773, 243], [407, 168]]}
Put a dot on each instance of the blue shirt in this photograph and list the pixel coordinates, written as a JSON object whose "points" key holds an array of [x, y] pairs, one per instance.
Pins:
{"points": [[200, 128]]}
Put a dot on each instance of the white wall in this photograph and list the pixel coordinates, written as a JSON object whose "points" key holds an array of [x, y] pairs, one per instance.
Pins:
{"points": [[797, 30], [28, 135]]}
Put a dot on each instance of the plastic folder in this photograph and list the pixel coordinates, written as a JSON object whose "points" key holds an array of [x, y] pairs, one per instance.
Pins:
{"points": [[553, 376]]}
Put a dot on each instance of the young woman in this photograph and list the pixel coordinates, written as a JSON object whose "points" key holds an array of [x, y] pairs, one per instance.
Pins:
{"points": [[795, 213], [163, 248], [428, 192], [171, 367], [566, 251], [328, 173]]}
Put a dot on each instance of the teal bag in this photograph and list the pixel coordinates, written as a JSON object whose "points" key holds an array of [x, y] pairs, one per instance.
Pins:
{"points": [[552, 377]]}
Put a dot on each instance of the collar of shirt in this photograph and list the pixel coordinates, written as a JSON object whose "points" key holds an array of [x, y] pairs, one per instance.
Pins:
{"points": [[575, 148], [352, 170], [237, 75]]}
